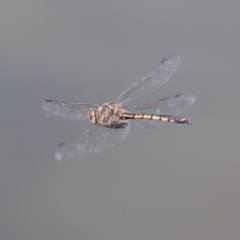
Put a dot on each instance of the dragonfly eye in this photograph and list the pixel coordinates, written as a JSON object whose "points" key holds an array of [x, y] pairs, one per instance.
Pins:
{"points": [[91, 116]]}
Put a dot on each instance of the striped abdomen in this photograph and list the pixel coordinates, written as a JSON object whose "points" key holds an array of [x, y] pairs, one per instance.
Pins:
{"points": [[163, 118]]}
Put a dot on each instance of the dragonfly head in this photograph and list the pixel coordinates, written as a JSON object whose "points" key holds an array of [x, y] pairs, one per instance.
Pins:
{"points": [[92, 117]]}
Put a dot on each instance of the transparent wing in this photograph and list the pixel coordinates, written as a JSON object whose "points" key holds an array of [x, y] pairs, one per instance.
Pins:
{"points": [[156, 78], [169, 106], [92, 141], [76, 111]]}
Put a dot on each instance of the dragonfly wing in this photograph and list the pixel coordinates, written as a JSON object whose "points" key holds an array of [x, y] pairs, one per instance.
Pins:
{"points": [[92, 141], [169, 106], [156, 78], [76, 111]]}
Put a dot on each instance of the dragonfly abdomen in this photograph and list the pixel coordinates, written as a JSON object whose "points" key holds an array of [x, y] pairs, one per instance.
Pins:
{"points": [[163, 118]]}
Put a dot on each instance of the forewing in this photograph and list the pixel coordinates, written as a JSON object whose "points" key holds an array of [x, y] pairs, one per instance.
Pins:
{"points": [[76, 111], [156, 78], [169, 106], [92, 141]]}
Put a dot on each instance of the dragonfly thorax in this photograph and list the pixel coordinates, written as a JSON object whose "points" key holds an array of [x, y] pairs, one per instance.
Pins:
{"points": [[108, 115]]}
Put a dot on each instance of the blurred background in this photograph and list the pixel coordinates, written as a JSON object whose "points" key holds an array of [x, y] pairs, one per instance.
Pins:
{"points": [[173, 182]]}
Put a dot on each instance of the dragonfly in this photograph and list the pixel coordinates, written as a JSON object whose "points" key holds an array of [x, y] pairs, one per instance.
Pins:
{"points": [[112, 120]]}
